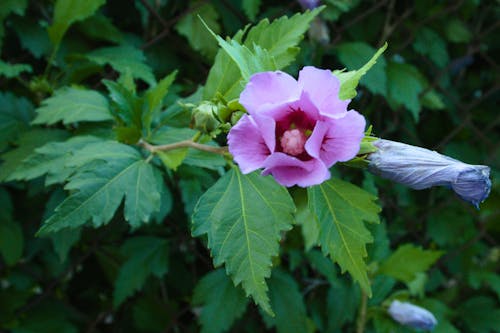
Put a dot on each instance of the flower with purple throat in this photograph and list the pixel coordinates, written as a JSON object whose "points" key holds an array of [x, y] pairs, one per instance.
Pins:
{"points": [[295, 129]]}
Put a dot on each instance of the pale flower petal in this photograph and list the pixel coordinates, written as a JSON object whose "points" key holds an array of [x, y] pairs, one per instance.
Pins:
{"points": [[323, 88], [289, 171], [268, 89], [247, 145]]}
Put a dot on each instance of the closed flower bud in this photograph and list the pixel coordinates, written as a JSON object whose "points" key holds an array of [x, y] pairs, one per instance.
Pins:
{"points": [[205, 117], [309, 4], [421, 168], [412, 315]]}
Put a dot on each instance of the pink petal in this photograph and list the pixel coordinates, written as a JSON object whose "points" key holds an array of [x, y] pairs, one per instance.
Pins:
{"points": [[341, 142], [289, 171], [268, 89], [314, 143], [247, 145], [267, 128], [323, 89], [307, 105]]}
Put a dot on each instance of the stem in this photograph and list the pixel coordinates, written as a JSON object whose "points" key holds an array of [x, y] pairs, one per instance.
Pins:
{"points": [[361, 321], [184, 144]]}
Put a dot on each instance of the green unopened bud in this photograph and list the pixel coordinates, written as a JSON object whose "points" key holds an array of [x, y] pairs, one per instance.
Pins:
{"points": [[224, 113], [235, 116], [205, 117]]}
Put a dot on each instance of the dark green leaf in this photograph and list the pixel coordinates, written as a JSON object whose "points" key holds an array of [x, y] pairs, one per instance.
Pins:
{"points": [[124, 58], [355, 55], [222, 302], [429, 43], [481, 314], [11, 241], [146, 256], [67, 12], [191, 27], [349, 80], [288, 304], [251, 8], [405, 86]]}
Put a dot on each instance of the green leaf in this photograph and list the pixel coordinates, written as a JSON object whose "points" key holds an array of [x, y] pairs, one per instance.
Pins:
{"points": [[166, 135], [6, 8], [98, 189], [124, 58], [405, 86], [100, 27], [153, 99], [349, 80], [282, 36], [304, 217], [191, 27], [429, 43], [14, 160], [126, 105], [251, 8], [15, 116], [481, 314], [150, 315], [279, 38], [248, 61], [63, 240], [10, 70], [288, 304], [11, 241], [67, 12], [222, 302], [340, 209], [51, 159], [407, 261], [355, 55], [457, 32], [146, 256], [343, 300], [71, 105], [33, 36], [243, 217]]}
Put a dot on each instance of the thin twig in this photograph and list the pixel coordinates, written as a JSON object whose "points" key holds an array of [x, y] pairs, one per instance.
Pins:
{"points": [[184, 144]]}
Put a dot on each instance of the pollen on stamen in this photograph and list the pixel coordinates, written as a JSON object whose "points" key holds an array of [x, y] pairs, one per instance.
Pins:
{"points": [[293, 141]]}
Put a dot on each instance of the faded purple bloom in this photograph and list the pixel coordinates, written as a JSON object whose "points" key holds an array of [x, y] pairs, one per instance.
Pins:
{"points": [[309, 4], [412, 315], [421, 168], [295, 129]]}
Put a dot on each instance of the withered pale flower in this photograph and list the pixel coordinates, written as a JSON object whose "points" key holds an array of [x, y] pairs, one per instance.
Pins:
{"points": [[420, 168]]}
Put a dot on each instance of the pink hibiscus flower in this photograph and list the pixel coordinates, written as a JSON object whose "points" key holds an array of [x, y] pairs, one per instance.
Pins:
{"points": [[295, 129]]}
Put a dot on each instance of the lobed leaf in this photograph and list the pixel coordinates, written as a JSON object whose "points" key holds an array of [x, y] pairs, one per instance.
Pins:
{"points": [[99, 187], [277, 40], [407, 261], [243, 217], [340, 209], [71, 105]]}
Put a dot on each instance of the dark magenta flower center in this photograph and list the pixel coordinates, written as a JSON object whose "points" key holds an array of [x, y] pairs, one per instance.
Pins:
{"points": [[292, 132]]}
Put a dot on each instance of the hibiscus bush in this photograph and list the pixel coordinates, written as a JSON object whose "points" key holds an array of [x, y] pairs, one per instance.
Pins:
{"points": [[249, 166]]}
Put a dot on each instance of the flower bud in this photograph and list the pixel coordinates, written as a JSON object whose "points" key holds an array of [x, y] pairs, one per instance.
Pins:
{"points": [[309, 4], [412, 315], [205, 117], [421, 168]]}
